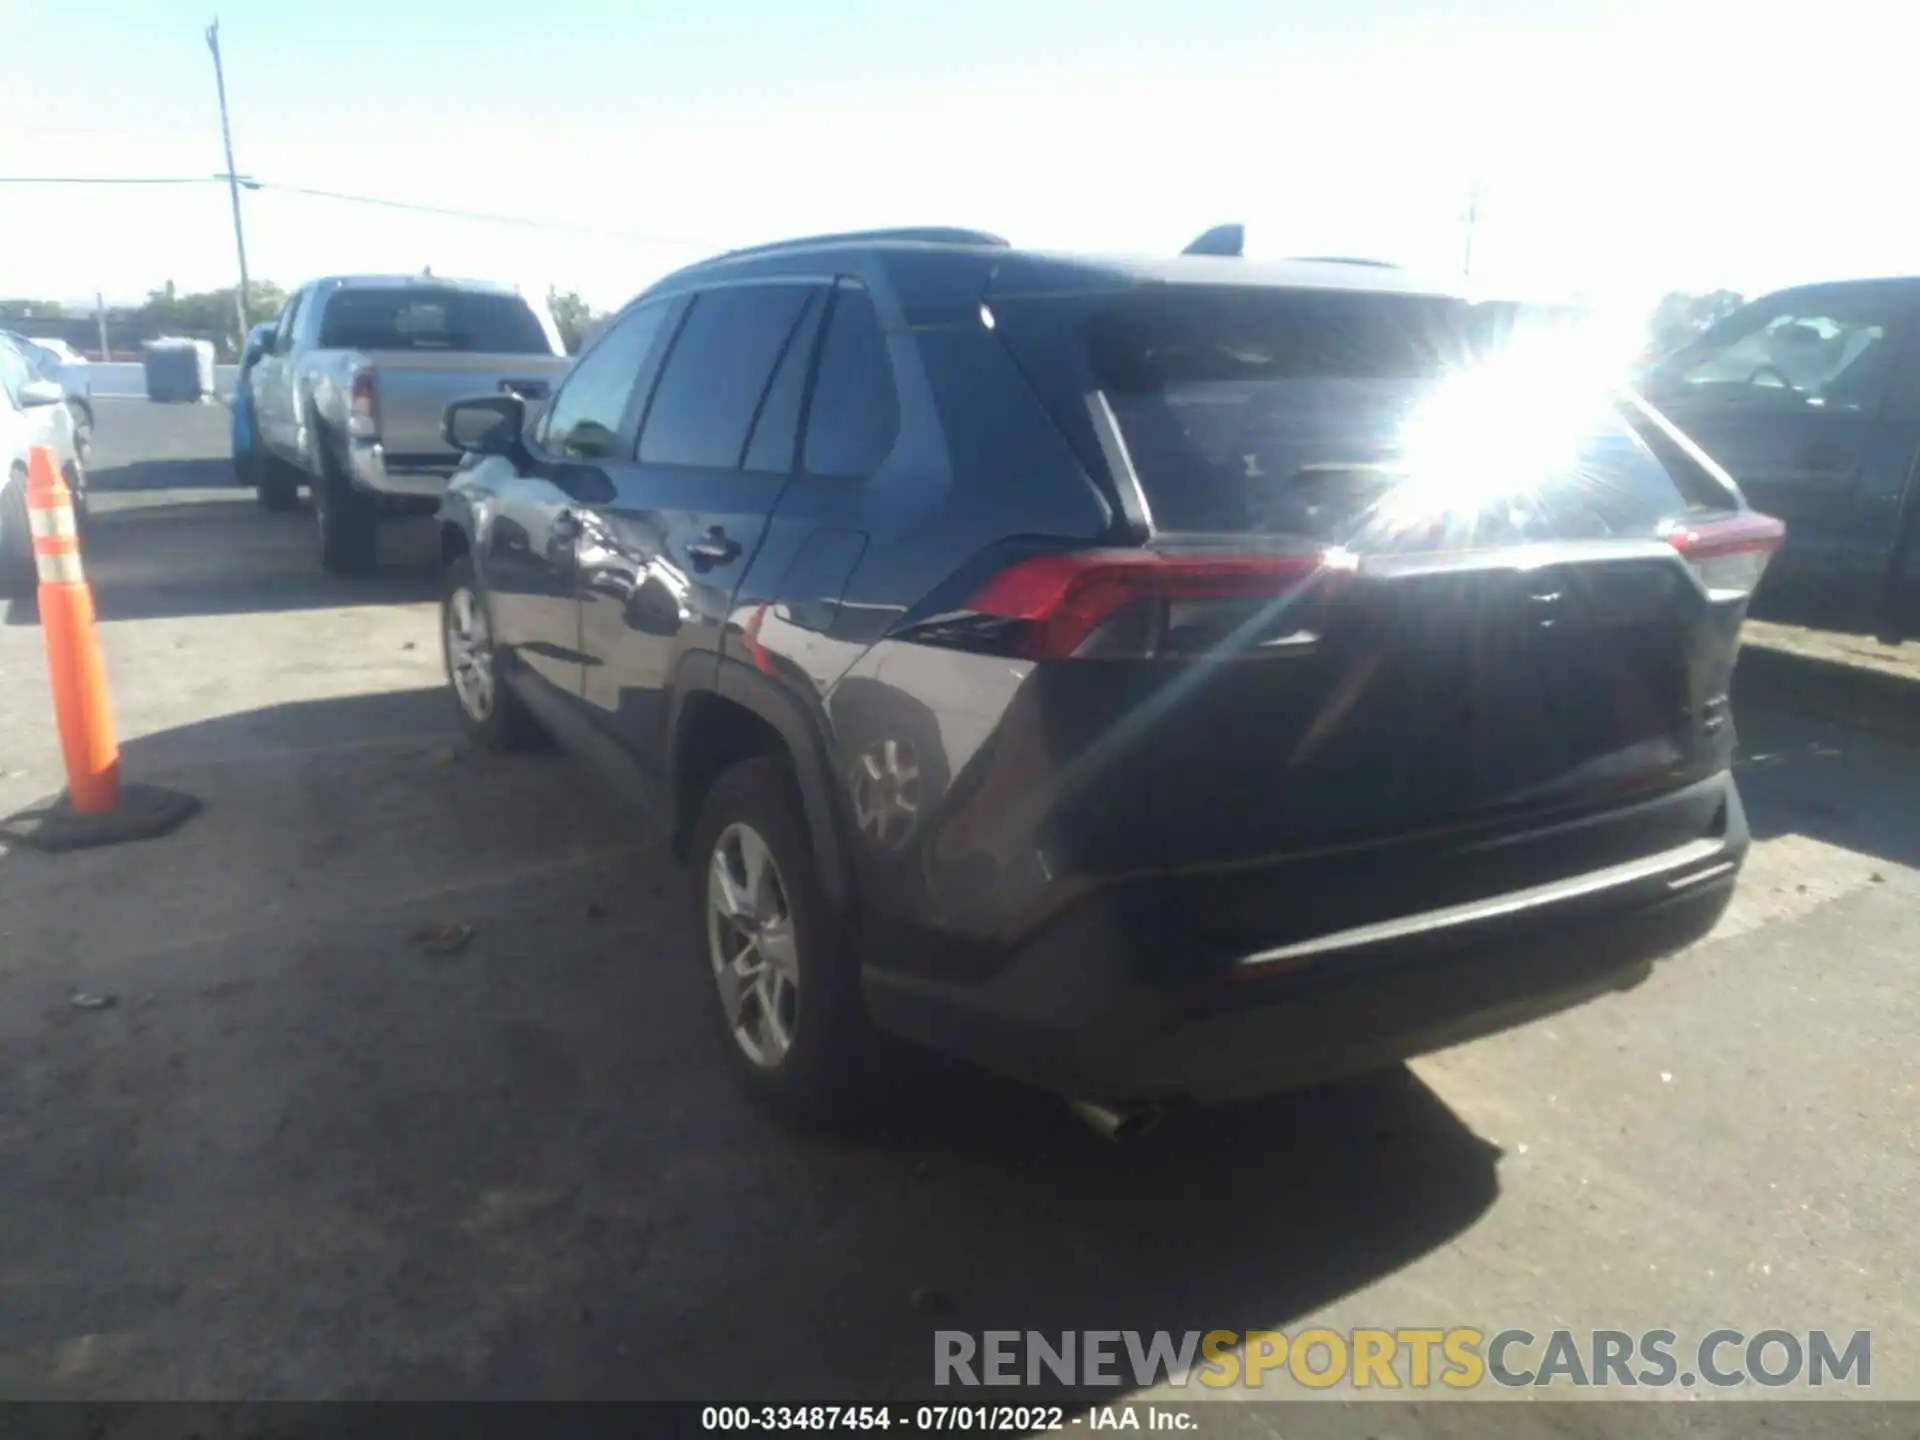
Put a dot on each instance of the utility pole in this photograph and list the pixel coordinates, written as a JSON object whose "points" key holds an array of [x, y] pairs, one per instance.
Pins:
{"points": [[1472, 221], [233, 179], [100, 318]]}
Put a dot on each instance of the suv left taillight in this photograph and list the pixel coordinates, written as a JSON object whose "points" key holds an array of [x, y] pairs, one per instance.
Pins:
{"points": [[1729, 555], [1131, 604]]}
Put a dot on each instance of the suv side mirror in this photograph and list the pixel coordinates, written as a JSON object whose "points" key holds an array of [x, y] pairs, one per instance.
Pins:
{"points": [[485, 424], [257, 345], [41, 392]]}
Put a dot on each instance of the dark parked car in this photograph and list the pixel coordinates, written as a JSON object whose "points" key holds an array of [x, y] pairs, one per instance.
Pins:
{"points": [[1067, 664], [1810, 398]]}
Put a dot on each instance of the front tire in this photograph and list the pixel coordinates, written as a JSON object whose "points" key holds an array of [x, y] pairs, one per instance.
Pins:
{"points": [[18, 575], [492, 716], [786, 994], [348, 520]]}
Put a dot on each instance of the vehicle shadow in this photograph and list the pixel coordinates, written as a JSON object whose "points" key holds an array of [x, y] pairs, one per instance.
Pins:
{"points": [[1845, 612], [225, 556], [172, 474], [1841, 786], [1013, 1217], [358, 1170]]}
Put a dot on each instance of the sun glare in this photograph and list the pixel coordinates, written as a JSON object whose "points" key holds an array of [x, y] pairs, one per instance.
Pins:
{"points": [[1504, 422]]}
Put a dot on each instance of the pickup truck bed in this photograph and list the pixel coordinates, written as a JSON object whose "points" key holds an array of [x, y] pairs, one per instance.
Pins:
{"points": [[349, 394], [412, 390]]}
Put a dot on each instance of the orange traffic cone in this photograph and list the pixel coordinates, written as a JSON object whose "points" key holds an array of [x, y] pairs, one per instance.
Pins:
{"points": [[81, 708], [94, 810]]}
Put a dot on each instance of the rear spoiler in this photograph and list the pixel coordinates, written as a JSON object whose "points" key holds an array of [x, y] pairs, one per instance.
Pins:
{"points": [[1221, 240]]}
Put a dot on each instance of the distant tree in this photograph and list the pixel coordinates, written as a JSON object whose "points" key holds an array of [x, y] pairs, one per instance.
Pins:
{"points": [[208, 315], [573, 316], [14, 312], [265, 300]]}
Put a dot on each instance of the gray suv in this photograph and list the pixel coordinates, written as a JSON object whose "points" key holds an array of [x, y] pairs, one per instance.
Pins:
{"points": [[1074, 664]]}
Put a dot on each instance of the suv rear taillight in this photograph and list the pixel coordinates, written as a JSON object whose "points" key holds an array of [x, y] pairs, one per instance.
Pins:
{"points": [[1110, 604], [363, 407], [1728, 555]]}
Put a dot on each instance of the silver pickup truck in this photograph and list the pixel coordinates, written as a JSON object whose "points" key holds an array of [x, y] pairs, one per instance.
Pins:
{"points": [[349, 384]]}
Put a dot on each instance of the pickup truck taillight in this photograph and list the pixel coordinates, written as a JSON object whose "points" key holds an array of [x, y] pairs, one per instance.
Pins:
{"points": [[363, 408], [1729, 555]]}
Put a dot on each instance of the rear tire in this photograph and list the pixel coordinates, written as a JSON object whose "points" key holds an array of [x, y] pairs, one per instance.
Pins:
{"points": [[500, 721], [82, 430], [276, 484], [348, 520], [75, 474], [820, 1077], [18, 576]]}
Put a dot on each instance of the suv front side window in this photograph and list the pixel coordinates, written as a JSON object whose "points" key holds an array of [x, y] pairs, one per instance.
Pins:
{"points": [[585, 420]]}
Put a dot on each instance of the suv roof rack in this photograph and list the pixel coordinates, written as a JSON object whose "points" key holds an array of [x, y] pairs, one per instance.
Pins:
{"points": [[1345, 260], [923, 234]]}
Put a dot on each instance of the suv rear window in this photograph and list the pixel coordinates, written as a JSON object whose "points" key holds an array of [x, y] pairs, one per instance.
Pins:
{"points": [[1314, 413], [425, 319]]}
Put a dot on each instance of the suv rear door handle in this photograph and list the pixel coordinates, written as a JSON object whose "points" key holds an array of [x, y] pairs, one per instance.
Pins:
{"points": [[713, 548]]}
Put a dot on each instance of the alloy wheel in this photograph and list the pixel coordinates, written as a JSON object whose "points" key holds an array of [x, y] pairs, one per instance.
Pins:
{"points": [[752, 945], [886, 792], [469, 640]]}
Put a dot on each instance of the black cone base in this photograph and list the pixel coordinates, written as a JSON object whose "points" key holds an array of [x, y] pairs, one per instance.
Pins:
{"points": [[144, 813]]}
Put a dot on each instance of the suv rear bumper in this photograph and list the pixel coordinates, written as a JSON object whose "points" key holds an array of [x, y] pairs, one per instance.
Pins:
{"points": [[1069, 1011]]}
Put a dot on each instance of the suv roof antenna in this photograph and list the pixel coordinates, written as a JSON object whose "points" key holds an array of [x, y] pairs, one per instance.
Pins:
{"points": [[1221, 240]]}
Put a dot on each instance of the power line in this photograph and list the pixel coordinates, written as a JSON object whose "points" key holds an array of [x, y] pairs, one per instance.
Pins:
{"points": [[109, 179], [383, 202], [497, 219]]}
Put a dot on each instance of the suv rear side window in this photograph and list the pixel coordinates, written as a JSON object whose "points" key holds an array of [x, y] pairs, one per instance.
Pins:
{"points": [[855, 412], [422, 318], [1298, 413], [716, 374], [776, 432]]}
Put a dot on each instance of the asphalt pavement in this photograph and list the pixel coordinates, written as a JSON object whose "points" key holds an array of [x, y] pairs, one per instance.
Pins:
{"points": [[303, 1156]]}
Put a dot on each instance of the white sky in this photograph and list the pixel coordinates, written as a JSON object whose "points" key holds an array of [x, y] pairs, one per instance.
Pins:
{"points": [[1621, 148]]}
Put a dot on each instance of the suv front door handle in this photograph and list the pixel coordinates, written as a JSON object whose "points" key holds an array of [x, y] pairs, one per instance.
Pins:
{"points": [[713, 548]]}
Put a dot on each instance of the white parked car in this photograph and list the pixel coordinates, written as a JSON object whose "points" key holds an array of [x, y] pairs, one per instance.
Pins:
{"points": [[33, 411], [59, 362], [60, 349]]}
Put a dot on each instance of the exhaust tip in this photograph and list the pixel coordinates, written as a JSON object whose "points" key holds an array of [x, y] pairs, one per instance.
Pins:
{"points": [[1119, 1125]]}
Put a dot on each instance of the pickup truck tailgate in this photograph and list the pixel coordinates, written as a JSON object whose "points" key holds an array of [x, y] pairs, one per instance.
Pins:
{"points": [[413, 389]]}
